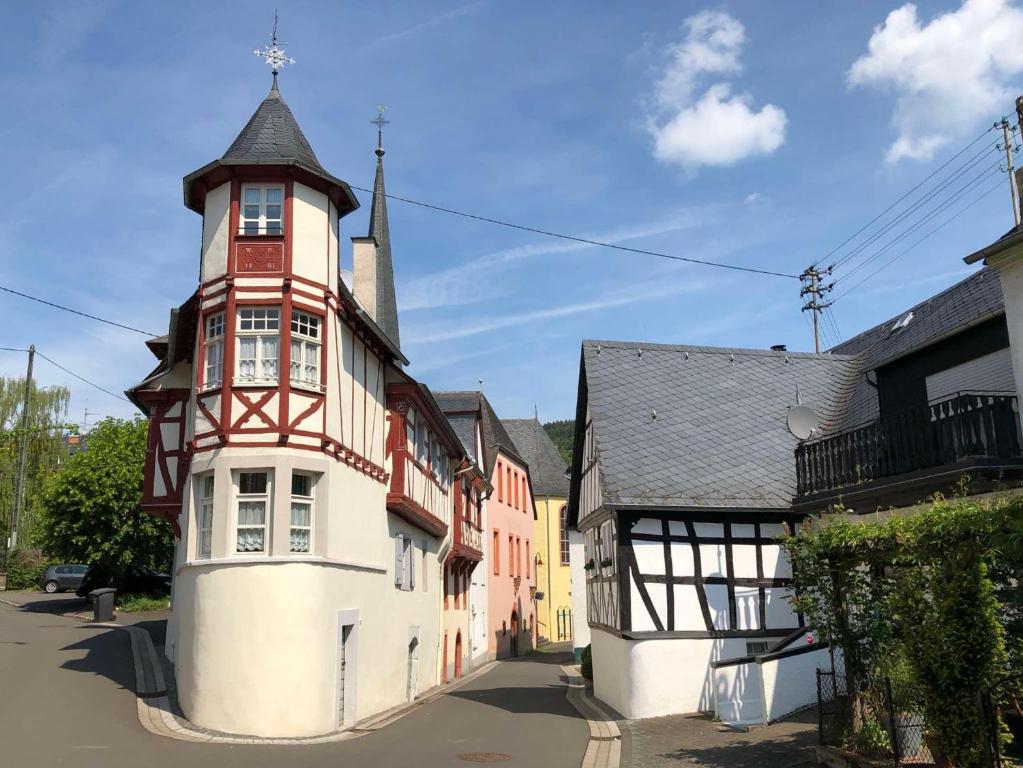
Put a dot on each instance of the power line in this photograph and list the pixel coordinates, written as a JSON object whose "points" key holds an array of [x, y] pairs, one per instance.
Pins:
{"points": [[12, 349], [907, 194], [82, 378], [75, 311], [915, 244], [945, 204], [956, 175], [584, 240]]}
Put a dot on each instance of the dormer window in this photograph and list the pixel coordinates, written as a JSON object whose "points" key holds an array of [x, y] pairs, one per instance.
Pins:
{"points": [[262, 210]]}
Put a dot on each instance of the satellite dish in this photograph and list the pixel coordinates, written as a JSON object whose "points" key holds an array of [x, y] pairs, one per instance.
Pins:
{"points": [[802, 421]]}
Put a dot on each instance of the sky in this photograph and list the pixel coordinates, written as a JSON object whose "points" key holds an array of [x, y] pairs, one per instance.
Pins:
{"points": [[755, 134]]}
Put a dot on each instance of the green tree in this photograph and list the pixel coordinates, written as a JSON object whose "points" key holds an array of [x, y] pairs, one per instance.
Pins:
{"points": [[562, 434], [45, 450], [91, 506]]}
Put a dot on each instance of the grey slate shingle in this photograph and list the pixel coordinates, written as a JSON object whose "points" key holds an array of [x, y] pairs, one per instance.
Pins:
{"points": [[965, 304], [546, 467], [272, 133], [719, 438], [494, 434]]}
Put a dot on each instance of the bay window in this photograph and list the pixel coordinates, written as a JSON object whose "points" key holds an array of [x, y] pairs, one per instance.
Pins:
{"points": [[301, 512], [262, 209], [214, 354], [305, 349], [204, 523], [253, 505], [258, 343]]}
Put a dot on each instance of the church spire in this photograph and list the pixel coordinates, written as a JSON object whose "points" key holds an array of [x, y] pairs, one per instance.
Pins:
{"points": [[386, 307]]}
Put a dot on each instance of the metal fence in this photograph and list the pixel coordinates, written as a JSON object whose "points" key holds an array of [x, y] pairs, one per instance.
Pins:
{"points": [[882, 721], [564, 624]]}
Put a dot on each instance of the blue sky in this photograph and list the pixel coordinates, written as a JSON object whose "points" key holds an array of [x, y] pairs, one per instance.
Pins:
{"points": [[758, 134]]}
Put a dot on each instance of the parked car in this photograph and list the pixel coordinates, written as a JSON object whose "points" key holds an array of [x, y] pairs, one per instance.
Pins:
{"points": [[135, 579], [57, 578]]}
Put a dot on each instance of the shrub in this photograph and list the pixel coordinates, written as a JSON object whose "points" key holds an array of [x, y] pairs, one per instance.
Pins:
{"points": [[135, 603], [24, 568], [587, 662]]}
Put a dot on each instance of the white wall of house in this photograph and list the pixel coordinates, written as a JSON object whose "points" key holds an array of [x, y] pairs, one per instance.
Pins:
{"points": [[478, 601], [651, 678], [580, 625], [1010, 274]]}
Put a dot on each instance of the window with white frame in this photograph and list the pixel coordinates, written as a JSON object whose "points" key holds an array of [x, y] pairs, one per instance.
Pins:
{"points": [[204, 523], [258, 336], [305, 349], [410, 431], [214, 373], [262, 209], [422, 443], [301, 512], [404, 562], [253, 506]]}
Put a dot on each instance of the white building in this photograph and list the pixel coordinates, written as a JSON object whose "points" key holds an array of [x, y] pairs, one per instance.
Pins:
{"points": [[314, 486], [683, 476]]}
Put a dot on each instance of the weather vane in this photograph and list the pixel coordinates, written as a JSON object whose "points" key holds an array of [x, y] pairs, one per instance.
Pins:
{"points": [[273, 54], [380, 122]]}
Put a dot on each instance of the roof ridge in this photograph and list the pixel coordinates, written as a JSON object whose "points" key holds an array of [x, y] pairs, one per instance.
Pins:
{"points": [[710, 350]]}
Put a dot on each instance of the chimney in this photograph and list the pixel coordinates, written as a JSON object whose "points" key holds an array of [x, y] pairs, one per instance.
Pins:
{"points": [[364, 274]]}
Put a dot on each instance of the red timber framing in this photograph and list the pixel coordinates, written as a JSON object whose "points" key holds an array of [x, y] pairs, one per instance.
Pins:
{"points": [[400, 397], [247, 410], [167, 456]]}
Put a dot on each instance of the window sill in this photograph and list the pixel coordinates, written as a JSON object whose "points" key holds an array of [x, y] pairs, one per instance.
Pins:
{"points": [[252, 559], [254, 383], [208, 388], [305, 387], [260, 235]]}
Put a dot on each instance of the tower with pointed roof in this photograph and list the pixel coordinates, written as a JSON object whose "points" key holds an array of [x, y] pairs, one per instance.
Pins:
{"points": [[314, 487]]}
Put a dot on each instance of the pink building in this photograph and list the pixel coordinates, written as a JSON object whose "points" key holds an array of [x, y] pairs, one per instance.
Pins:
{"points": [[509, 561]]}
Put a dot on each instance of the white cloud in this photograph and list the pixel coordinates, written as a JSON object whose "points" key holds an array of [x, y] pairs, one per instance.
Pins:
{"points": [[717, 127], [949, 75]]}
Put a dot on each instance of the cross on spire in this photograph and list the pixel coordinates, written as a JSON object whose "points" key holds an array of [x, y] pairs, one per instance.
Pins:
{"points": [[273, 54], [380, 122]]}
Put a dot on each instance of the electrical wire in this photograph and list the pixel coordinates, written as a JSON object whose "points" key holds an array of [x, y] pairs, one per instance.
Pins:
{"points": [[907, 194], [81, 378], [75, 311], [584, 240], [915, 244]]}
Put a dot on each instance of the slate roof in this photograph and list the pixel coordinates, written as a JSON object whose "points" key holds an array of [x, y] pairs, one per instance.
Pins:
{"points": [[386, 305], [688, 426], [963, 305], [272, 134], [546, 467], [465, 428], [494, 434]]}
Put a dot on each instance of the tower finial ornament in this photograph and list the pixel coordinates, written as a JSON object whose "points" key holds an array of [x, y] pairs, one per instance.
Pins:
{"points": [[273, 54], [380, 122]]}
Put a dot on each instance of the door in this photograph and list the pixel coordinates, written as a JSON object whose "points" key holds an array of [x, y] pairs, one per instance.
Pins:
{"points": [[515, 633], [342, 669], [77, 574], [458, 655]]}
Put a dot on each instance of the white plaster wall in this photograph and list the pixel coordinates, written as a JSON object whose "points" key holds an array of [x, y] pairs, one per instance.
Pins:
{"points": [[576, 559], [310, 256], [790, 683], [1010, 274], [214, 233], [650, 678], [478, 600], [739, 693]]}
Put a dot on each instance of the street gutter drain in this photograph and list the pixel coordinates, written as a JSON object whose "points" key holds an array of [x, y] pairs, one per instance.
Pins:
{"points": [[484, 757]]}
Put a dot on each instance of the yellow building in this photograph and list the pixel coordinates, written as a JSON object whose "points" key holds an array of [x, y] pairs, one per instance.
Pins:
{"points": [[550, 495]]}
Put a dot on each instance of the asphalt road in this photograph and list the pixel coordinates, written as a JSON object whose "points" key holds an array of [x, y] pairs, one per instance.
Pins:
{"points": [[66, 698]]}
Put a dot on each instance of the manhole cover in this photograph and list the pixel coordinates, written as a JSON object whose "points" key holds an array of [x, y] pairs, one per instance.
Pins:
{"points": [[484, 757]]}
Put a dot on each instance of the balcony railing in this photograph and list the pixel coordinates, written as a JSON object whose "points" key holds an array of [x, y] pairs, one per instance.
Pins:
{"points": [[968, 425], [470, 535]]}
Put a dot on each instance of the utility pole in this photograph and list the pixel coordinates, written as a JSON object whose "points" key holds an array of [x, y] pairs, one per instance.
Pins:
{"points": [[19, 480], [1008, 145], [815, 289]]}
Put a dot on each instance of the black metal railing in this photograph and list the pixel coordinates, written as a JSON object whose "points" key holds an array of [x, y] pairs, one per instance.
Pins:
{"points": [[966, 425]]}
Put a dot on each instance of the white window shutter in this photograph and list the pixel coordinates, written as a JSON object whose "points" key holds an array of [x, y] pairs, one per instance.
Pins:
{"points": [[411, 564], [399, 560], [425, 568]]}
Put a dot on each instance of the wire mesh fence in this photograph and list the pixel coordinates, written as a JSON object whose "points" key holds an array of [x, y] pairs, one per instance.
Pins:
{"points": [[880, 720]]}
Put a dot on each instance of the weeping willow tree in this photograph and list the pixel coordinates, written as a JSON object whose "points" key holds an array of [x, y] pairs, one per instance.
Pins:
{"points": [[45, 450]]}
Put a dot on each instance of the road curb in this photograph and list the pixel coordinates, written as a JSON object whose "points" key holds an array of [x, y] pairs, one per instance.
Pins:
{"points": [[156, 712], [604, 749]]}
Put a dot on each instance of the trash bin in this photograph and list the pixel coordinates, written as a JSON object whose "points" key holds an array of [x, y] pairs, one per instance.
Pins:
{"points": [[102, 604]]}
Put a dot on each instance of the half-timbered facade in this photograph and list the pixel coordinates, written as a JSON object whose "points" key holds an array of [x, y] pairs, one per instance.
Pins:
{"points": [[312, 483], [682, 485]]}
